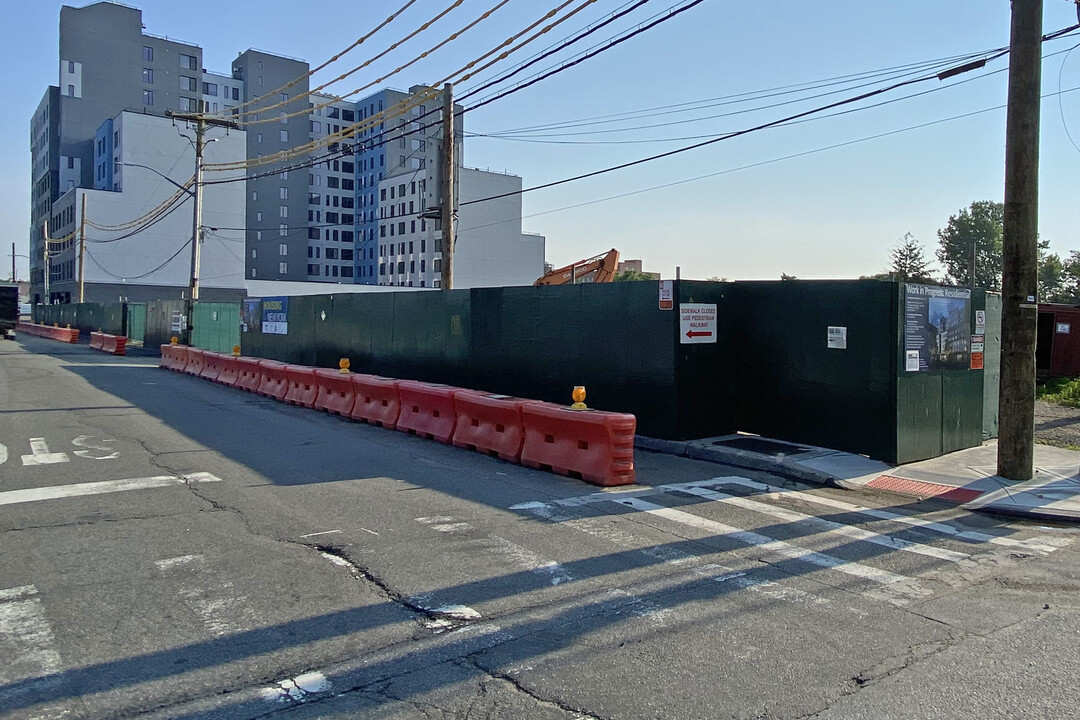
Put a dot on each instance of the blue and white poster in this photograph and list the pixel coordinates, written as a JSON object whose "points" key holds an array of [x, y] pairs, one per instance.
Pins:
{"points": [[937, 328], [275, 316]]}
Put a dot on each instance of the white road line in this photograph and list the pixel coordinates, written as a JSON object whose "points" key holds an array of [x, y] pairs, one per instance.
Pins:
{"points": [[317, 534], [451, 527], [434, 519], [1047, 545], [26, 639], [907, 588], [799, 518], [216, 603], [11, 497], [673, 557], [3, 453], [41, 455]]}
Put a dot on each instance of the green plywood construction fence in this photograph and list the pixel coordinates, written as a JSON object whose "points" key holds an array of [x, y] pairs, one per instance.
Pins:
{"points": [[216, 326]]}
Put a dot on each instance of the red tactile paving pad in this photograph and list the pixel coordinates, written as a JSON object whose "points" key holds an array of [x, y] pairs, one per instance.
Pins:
{"points": [[924, 489]]}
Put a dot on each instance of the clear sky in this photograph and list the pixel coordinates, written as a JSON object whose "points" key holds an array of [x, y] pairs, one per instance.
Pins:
{"points": [[829, 214]]}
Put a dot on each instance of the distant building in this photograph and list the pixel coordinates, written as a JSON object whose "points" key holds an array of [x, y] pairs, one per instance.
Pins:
{"points": [[314, 215], [635, 265]]}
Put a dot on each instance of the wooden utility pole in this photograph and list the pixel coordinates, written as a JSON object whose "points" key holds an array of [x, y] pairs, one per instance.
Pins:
{"points": [[82, 250], [1019, 291], [446, 188], [201, 124]]}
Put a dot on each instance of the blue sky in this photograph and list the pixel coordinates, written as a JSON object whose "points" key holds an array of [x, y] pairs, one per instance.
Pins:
{"points": [[829, 214]]}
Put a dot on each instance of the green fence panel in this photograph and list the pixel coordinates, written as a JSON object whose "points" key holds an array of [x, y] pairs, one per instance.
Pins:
{"points": [[136, 323], [216, 326], [992, 363]]}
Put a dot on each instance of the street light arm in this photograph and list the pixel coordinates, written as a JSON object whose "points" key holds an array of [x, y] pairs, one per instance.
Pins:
{"points": [[163, 176]]}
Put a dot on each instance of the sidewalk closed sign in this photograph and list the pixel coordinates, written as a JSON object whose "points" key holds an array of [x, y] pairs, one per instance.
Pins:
{"points": [[697, 323]]}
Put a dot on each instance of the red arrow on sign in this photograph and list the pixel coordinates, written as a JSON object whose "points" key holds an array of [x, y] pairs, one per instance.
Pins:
{"points": [[692, 334]]}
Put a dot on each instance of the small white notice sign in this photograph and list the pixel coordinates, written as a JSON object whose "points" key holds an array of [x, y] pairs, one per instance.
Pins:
{"points": [[697, 323], [838, 338], [911, 363], [667, 291], [980, 322]]}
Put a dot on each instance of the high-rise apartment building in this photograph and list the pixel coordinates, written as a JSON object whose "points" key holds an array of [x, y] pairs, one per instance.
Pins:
{"points": [[313, 205]]}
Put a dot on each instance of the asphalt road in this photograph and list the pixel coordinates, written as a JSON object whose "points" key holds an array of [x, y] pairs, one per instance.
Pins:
{"points": [[170, 548]]}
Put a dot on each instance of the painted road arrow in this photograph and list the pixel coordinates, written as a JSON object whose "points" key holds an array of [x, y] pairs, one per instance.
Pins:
{"points": [[692, 334]]}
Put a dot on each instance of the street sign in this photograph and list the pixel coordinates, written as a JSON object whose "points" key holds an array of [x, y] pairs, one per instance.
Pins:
{"points": [[666, 293], [697, 323]]}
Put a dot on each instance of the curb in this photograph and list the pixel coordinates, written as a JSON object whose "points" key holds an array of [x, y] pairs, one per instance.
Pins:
{"points": [[736, 458]]}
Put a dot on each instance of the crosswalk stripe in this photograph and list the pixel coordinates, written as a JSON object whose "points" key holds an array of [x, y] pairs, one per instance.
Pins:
{"points": [[12, 497], [855, 533], [1047, 545], [905, 587], [26, 638]]}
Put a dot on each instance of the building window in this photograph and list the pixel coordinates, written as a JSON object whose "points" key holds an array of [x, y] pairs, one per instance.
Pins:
{"points": [[189, 83], [284, 97], [316, 127], [189, 62], [284, 134], [148, 53], [209, 89], [258, 137], [254, 253], [284, 211], [283, 249], [284, 117], [189, 104], [283, 230], [252, 272], [258, 216], [283, 268], [148, 76], [71, 90], [258, 234], [147, 97], [284, 193]]}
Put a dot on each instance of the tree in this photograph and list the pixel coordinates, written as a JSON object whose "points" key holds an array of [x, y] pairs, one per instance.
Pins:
{"points": [[631, 276], [785, 276], [1059, 280], [975, 229], [716, 278], [908, 262]]}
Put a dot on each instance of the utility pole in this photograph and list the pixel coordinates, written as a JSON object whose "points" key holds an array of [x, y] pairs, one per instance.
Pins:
{"points": [[82, 251], [45, 258], [1019, 311], [13, 279], [201, 123], [446, 188]]}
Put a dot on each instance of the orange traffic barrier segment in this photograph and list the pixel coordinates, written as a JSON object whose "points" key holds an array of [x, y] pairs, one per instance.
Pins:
{"points": [[377, 400], [302, 387], [194, 361], [490, 424], [336, 392], [272, 380], [96, 339], [427, 410], [230, 370], [52, 332], [211, 366], [596, 446], [248, 374]]}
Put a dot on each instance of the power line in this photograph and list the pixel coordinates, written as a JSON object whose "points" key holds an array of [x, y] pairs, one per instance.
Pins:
{"points": [[761, 163], [143, 275]]}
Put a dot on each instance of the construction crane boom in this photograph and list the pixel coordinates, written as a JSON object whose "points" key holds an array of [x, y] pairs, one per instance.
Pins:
{"points": [[599, 269]]}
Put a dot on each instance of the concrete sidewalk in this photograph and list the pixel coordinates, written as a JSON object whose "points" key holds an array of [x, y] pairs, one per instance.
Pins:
{"points": [[966, 477]]}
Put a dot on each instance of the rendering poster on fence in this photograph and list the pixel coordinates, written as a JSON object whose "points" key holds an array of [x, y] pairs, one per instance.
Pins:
{"points": [[937, 328], [250, 314], [275, 316]]}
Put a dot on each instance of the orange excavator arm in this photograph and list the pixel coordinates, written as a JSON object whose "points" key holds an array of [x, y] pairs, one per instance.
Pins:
{"points": [[599, 269]]}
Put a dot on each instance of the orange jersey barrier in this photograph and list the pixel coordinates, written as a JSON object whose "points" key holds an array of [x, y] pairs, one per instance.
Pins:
{"points": [[596, 446], [427, 410], [230, 370], [377, 401], [336, 392], [211, 366], [247, 374], [194, 361], [491, 424], [302, 388], [272, 380]]}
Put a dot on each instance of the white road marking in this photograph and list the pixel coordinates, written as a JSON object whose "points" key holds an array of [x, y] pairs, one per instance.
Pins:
{"points": [[216, 603], [673, 557], [3, 453], [297, 688], [41, 455], [372, 532], [799, 518], [460, 612], [317, 534], [11, 497], [104, 452], [1043, 544], [906, 588], [521, 556], [26, 639]]}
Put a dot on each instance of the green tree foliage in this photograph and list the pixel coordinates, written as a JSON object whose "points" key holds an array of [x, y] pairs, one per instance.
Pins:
{"points": [[785, 276], [631, 276], [1059, 280], [978, 227], [909, 264]]}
